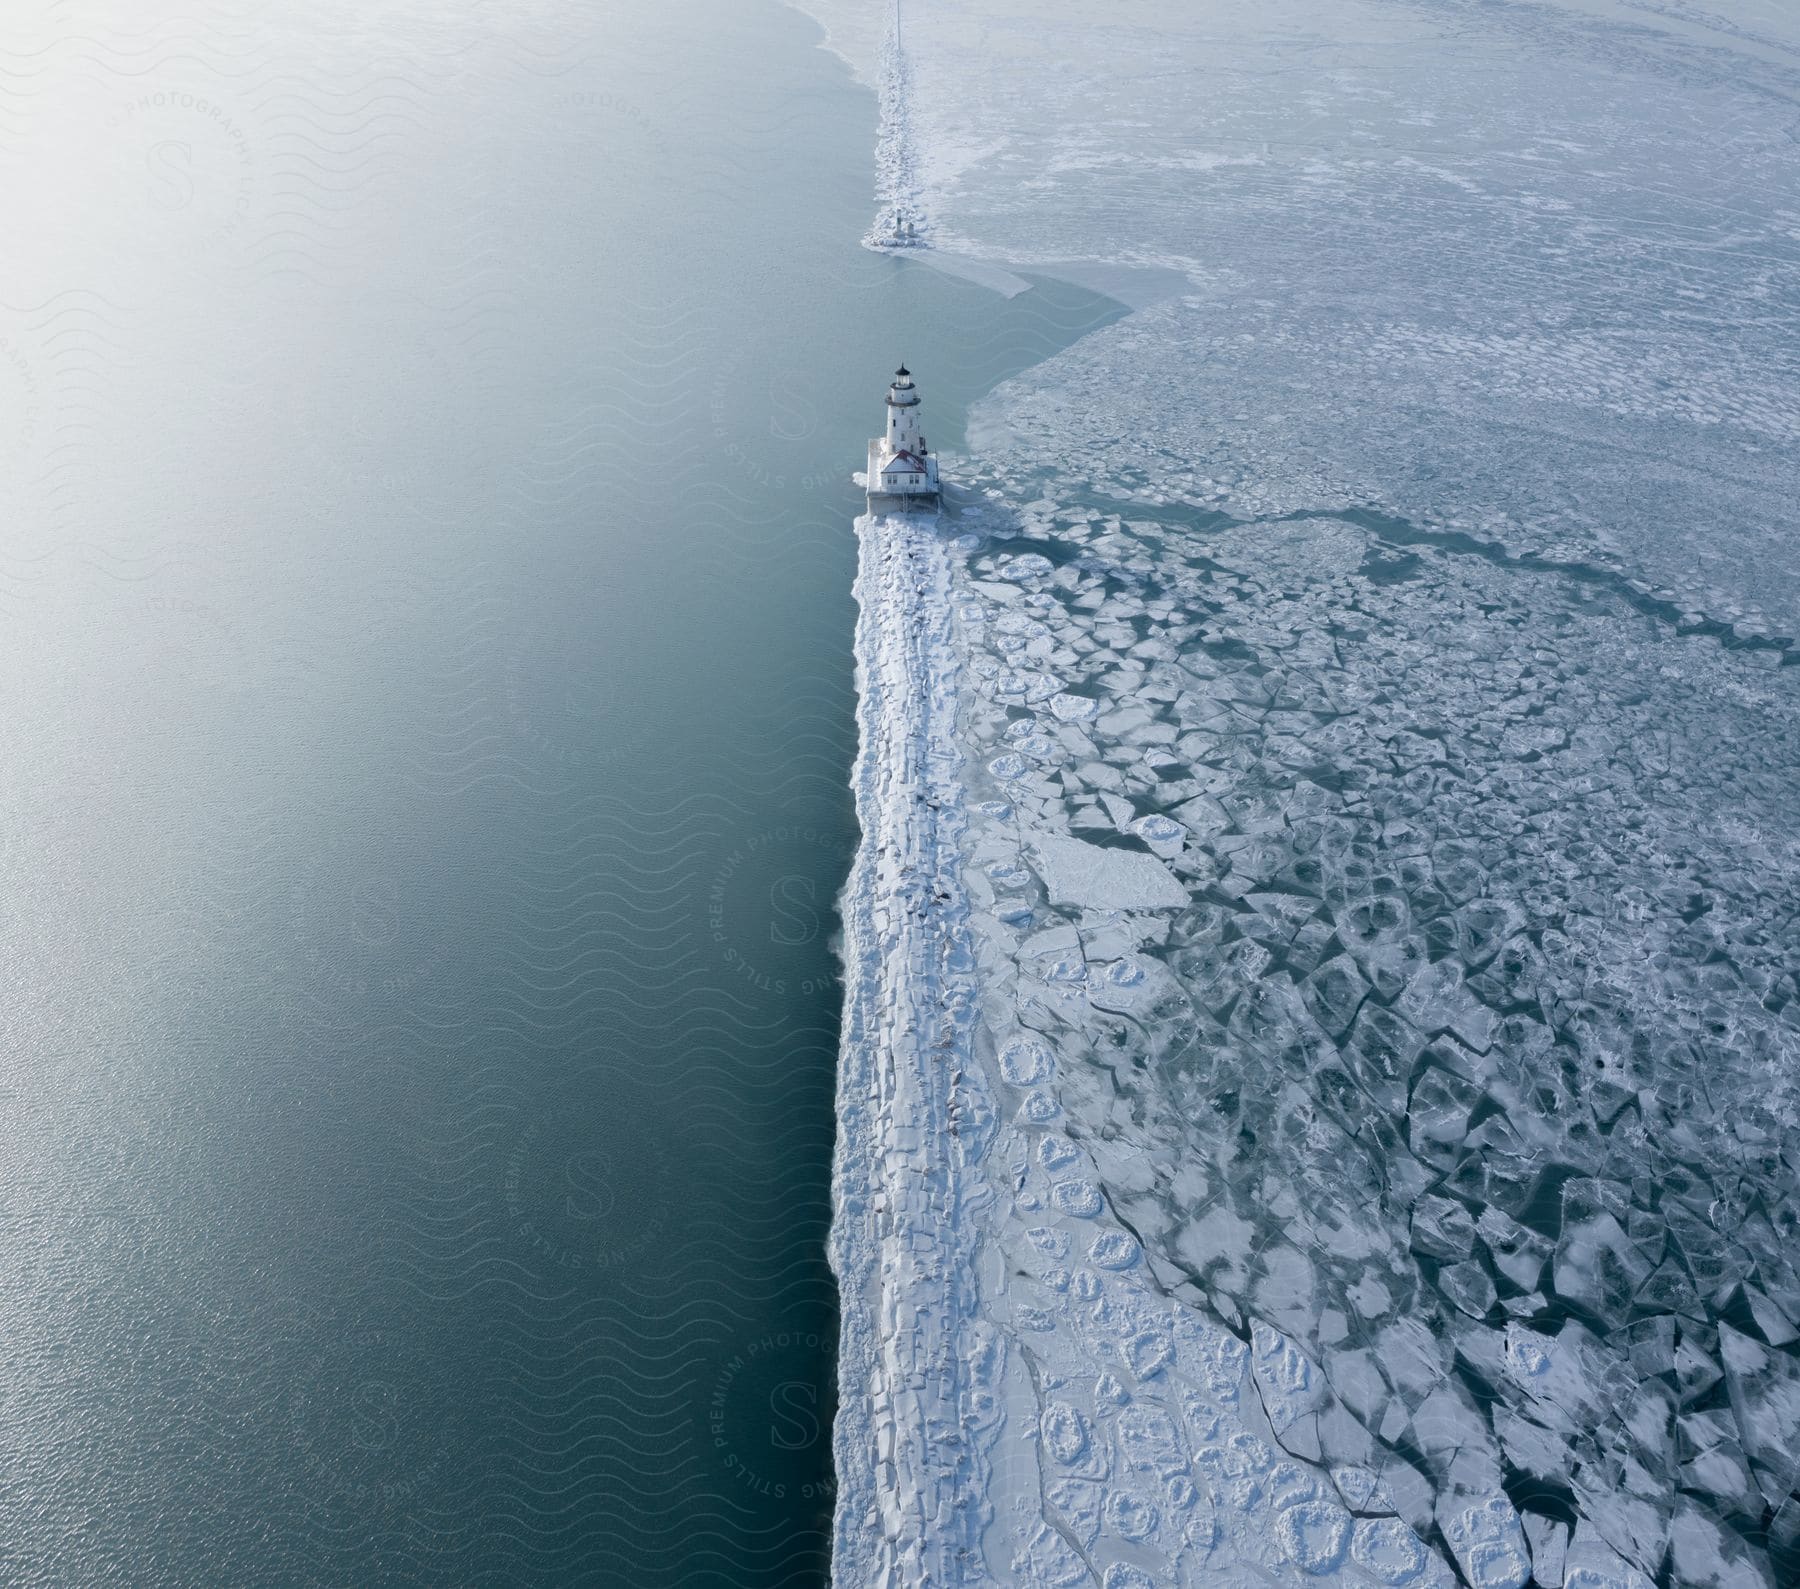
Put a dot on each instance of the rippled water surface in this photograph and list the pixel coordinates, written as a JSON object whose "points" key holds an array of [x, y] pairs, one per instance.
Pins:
{"points": [[426, 641]]}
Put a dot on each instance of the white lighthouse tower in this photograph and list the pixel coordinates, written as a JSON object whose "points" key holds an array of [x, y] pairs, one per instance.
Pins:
{"points": [[902, 472]]}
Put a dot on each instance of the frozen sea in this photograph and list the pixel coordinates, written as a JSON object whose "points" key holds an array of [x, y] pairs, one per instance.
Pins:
{"points": [[1379, 800]]}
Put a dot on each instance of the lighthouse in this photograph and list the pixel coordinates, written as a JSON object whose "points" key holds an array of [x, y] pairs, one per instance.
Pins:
{"points": [[903, 473]]}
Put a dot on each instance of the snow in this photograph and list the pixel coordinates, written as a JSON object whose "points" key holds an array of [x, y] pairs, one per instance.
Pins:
{"points": [[1374, 746], [914, 1369], [900, 219], [1369, 974], [1383, 235], [1082, 874]]}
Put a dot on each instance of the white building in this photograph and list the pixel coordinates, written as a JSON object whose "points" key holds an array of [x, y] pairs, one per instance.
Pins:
{"points": [[902, 472]]}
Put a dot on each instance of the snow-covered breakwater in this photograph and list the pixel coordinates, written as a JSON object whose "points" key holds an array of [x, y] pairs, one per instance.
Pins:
{"points": [[914, 1365], [899, 219]]}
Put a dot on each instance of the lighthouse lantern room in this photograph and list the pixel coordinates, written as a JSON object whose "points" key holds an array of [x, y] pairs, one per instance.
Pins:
{"points": [[903, 473]]}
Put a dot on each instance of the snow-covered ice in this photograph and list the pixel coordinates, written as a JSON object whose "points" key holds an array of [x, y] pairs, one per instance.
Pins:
{"points": [[1367, 774], [1460, 1083], [1088, 875]]}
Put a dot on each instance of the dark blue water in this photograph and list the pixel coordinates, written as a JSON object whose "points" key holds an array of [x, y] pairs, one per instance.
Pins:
{"points": [[430, 705]]}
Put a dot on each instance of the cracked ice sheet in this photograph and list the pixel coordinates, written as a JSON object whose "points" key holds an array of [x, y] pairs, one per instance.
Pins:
{"points": [[1530, 266], [1437, 1151], [1468, 1071]]}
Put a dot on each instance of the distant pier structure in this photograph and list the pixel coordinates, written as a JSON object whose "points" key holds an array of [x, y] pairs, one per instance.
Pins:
{"points": [[903, 473]]}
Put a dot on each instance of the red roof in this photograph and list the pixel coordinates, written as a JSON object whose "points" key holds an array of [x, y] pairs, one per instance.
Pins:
{"points": [[911, 460]]}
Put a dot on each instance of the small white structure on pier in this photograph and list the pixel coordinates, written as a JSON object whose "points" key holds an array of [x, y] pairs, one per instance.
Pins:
{"points": [[902, 472]]}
